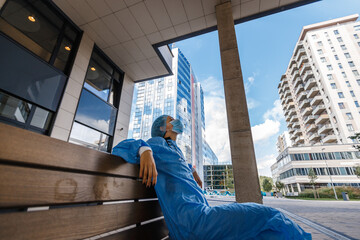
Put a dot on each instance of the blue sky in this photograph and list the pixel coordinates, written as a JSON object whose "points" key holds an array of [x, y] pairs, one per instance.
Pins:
{"points": [[265, 47]]}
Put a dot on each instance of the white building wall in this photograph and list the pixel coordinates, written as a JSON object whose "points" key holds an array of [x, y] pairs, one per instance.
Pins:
{"points": [[65, 116]]}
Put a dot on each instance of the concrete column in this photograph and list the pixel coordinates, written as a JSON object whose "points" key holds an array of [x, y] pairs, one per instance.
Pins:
{"points": [[287, 188], [298, 186], [292, 188], [247, 187]]}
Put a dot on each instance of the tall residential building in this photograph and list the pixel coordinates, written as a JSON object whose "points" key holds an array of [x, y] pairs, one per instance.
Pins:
{"points": [[320, 95], [210, 157], [320, 91], [283, 142], [180, 96]]}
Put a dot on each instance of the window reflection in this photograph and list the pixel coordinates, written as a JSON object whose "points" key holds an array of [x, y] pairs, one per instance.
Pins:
{"points": [[41, 119], [98, 80], [88, 137], [13, 108]]}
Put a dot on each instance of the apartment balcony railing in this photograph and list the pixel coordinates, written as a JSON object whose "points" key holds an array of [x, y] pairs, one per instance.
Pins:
{"points": [[286, 87], [311, 128], [288, 99], [303, 59], [325, 128], [314, 137], [304, 103], [313, 92], [299, 88], [298, 132], [322, 119], [309, 119], [319, 109], [296, 125], [304, 67], [294, 118], [292, 136], [316, 101], [299, 46], [287, 118], [292, 112], [306, 111], [299, 140], [289, 124], [329, 139], [309, 83], [300, 53], [302, 95], [287, 93], [307, 75], [293, 67], [297, 81], [291, 130], [294, 76]]}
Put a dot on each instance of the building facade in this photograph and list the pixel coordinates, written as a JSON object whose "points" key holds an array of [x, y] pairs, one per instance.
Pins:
{"points": [[210, 157], [283, 142], [331, 163], [218, 177], [320, 91]]}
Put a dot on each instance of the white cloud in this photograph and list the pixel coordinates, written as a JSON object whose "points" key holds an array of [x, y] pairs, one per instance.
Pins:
{"points": [[264, 164], [276, 113], [264, 131], [251, 103]]}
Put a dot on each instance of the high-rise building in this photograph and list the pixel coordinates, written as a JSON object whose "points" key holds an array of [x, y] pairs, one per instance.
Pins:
{"points": [[283, 141], [210, 157], [218, 177], [180, 96], [320, 91], [320, 95]]}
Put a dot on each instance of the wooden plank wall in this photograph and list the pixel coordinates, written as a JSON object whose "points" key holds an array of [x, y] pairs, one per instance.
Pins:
{"points": [[74, 182]]}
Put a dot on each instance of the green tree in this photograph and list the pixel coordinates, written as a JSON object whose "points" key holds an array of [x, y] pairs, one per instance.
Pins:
{"points": [[261, 180], [312, 176], [357, 138], [266, 184], [279, 186], [357, 171], [229, 179]]}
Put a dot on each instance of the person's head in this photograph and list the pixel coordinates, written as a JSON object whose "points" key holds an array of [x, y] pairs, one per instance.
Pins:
{"points": [[167, 127]]}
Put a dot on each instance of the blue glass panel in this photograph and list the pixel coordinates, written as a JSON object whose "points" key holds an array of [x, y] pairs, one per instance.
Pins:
{"points": [[26, 76], [95, 113]]}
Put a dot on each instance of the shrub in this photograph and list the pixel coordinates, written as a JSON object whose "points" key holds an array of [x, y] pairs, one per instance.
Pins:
{"points": [[325, 192]]}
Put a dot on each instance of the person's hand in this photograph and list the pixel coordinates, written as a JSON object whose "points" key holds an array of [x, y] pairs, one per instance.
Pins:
{"points": [[197, 179], [148, 169]]}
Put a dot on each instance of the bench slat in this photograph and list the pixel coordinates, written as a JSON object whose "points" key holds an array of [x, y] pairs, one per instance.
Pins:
{"points": [[24, 187], [151, 231], [75, 222], [23, 146]]}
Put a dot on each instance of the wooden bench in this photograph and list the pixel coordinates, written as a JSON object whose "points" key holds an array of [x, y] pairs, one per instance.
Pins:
{"points": [[50, 189]]}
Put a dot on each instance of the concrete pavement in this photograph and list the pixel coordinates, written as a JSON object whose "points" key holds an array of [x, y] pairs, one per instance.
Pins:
{"points": [[323, 219]]}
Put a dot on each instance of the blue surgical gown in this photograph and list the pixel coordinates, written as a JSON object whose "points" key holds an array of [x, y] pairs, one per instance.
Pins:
{"points": [[188, 214]]}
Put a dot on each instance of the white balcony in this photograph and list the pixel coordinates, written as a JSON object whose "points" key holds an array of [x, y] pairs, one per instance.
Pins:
{"points": [[329, 139], [303, 59], [313, 92], [287, 118], [297, 132], [309, 119], [296, 125], [322, 119], [292, 137], [300, 53], [292, 112], [299, 140], [304, 68], [311, 128], [299, 88], [309, 83], [294, 118], [286, 87], [319, 109], [316, 101], [305, 103], [298, 46], [287, 93], [292, 68], [297, 81], [301, 96], [325, 128], [288, 99], [314, 137], [306, 111]]}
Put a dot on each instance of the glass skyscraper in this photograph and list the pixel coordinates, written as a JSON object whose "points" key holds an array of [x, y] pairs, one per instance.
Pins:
{"points": [[180, 96]]}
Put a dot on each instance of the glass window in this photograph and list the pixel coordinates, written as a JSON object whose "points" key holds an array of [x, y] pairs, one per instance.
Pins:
{"points": [[314, 36], [320, 43], [333, 50], [41, 118], [39, 28], [330, 76], [356, 103], [343, 47], [341, 105], [347, 55], [349, 116], [358, 82], [351, 64], [344, 74], [350, 127], [333, 85], [329, 67], [357, 27], [352, 93], [320, 51], [340, 65], [348, 83], [339, 39], [323, 59], [336, 32], [356, 73], [14, 108], [336, 57], [341, 95]]}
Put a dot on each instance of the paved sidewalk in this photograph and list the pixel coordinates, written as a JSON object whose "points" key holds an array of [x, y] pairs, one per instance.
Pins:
{"points": [[333, 217]]}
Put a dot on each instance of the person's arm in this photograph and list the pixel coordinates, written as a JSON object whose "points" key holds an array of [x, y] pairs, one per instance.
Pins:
{"points": [[138, 152], [195, 175]]}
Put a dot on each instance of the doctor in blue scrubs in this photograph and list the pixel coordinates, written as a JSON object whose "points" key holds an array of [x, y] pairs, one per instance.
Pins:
{"points": [[186, 211]]}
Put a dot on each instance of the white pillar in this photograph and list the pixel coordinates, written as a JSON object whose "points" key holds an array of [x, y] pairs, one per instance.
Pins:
{"points": [[298, 186], [292, 188]]}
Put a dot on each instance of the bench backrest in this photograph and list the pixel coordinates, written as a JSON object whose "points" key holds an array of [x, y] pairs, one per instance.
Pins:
{"points": [[50, 189]]}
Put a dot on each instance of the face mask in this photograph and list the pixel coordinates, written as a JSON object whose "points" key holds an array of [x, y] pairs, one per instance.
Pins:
{"points": [[177, 126]]}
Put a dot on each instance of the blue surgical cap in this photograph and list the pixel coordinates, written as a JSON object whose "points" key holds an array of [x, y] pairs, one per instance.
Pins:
{"points": [[158, 128]]}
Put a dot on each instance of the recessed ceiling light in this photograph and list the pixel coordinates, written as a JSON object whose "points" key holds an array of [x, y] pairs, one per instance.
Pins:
{"points": [[93, 69], [67, 48], [31, 19]]}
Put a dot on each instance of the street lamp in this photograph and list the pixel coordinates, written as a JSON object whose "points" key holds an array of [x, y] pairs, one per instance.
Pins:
{"points": [[327, 169]]}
